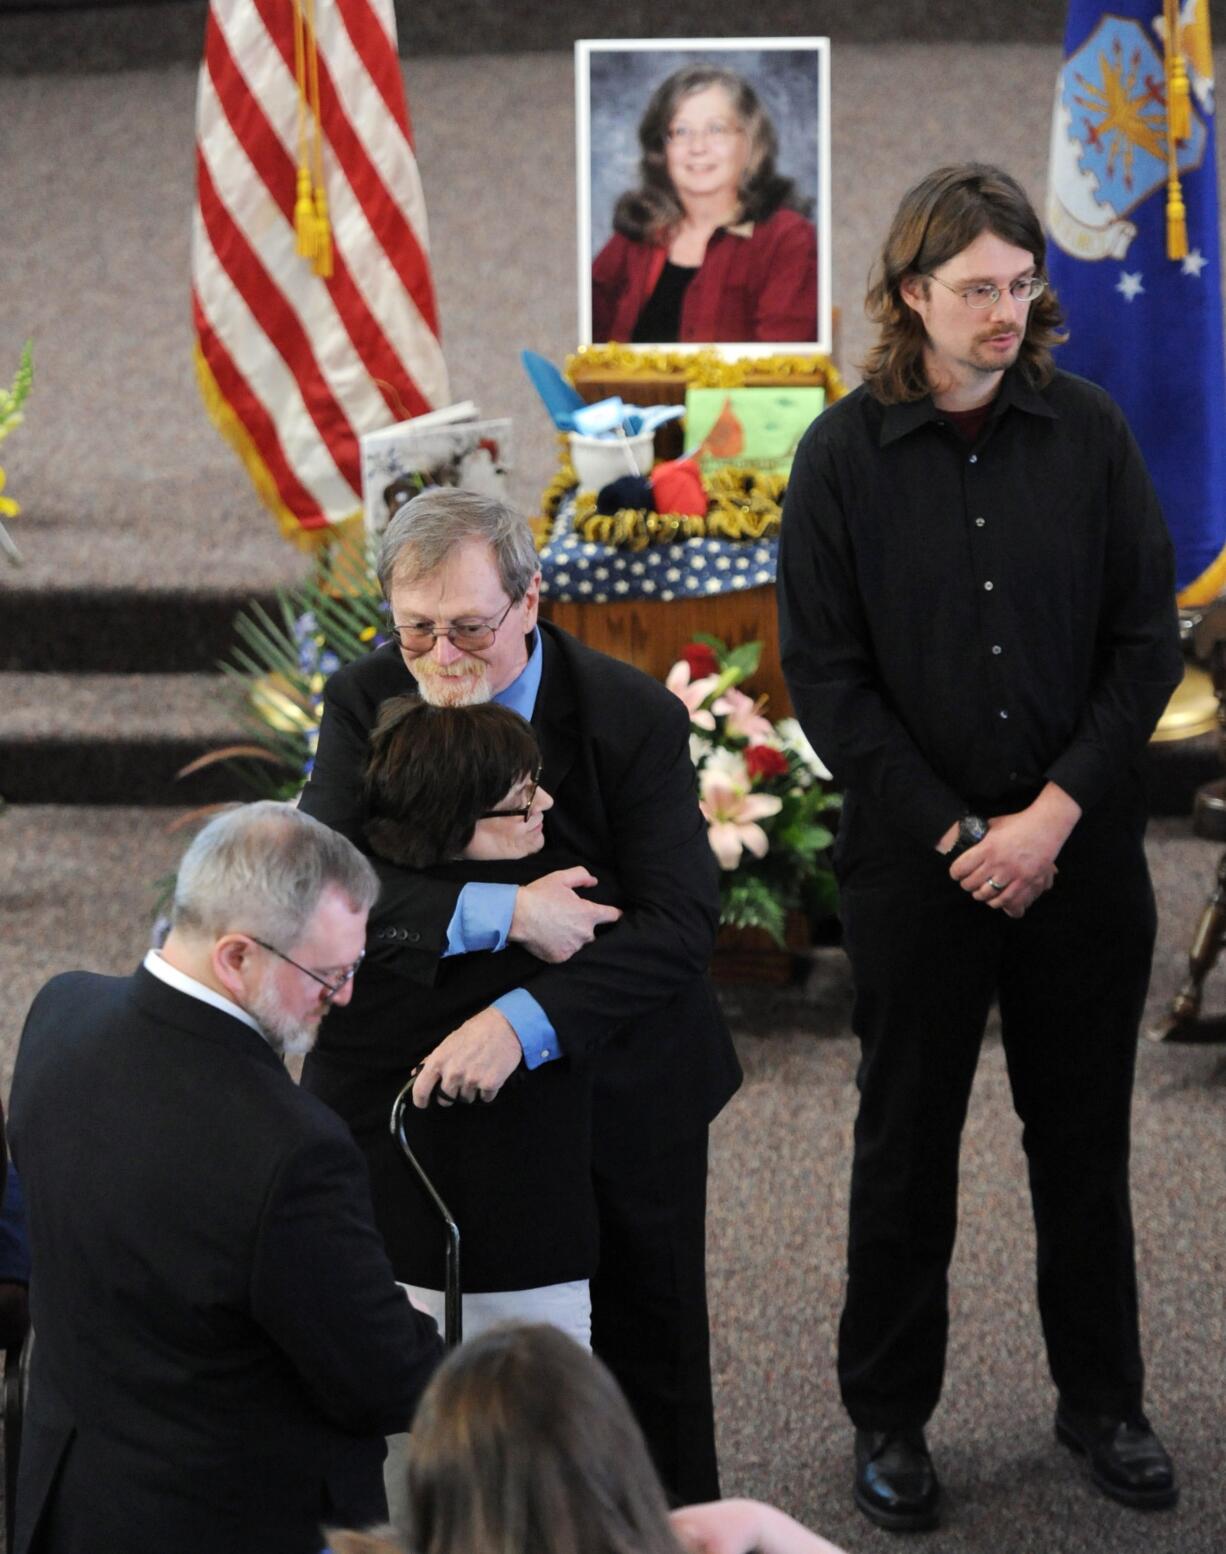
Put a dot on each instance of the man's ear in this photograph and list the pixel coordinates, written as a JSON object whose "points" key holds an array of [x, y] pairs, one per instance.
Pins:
{"points": [[532, 598], [231, 955], [914, 291]]}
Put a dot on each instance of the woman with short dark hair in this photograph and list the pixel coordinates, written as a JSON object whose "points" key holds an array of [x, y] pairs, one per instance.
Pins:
{"points": [[455, 792], [714, 244]]}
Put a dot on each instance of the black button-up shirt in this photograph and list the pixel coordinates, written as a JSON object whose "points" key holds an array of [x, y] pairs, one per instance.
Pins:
{"points": [[960, 625]]}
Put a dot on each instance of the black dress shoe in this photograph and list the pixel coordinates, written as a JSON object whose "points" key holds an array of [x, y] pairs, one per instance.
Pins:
{"points": [[896, 1484], [1127, 1460]]}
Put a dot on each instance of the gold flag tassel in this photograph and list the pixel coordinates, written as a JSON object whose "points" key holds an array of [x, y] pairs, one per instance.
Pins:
{"points": [[1178, 127], [312, 229], [322, 226], [304, 210]]}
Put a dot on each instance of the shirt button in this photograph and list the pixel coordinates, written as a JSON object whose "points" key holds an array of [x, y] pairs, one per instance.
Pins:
{"points": [[988, 587], [544, 1052], [974, 459], [996, 648], [979, 522], [1003, 713]]}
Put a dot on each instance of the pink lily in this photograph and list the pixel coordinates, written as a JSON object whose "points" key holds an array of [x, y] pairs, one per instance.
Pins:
{"points": [[692, 692], [744, 721], [732, 817]]}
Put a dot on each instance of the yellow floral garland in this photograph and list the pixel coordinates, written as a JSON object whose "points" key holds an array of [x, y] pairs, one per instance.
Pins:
{"points": [[705, 368], [744, 506]]}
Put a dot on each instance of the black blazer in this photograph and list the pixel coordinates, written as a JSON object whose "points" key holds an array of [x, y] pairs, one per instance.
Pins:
{"points": [[220, 1346], [616, 760], [516, 1175]]}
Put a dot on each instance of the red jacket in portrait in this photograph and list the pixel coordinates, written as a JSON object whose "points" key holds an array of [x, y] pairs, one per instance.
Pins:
{"points": [[757, 281]]}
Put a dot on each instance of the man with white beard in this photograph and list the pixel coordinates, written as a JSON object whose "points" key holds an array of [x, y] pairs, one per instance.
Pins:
{"points": [[461, 575], [221, 1346]]}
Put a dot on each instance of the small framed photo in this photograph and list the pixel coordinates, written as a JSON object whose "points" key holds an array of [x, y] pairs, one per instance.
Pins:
{"points": [[704, 193]]}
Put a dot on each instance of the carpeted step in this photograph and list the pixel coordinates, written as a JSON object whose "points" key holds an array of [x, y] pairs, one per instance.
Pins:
{"points": [[138, 574], [100, 630], [117, 739]]}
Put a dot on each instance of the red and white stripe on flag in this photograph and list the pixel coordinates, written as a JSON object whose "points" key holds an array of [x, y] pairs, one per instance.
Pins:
{"points": [[294, 368]]}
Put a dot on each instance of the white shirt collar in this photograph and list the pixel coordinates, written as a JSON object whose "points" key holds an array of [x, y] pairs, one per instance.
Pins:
{"points": [[158, 966]]}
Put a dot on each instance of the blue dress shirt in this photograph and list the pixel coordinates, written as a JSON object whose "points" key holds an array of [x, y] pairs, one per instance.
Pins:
{"points": [[482, 917]]}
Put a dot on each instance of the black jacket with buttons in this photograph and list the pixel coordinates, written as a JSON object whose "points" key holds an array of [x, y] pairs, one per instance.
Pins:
{"points": [[516, 1174], [615, 746], [961, 625]]}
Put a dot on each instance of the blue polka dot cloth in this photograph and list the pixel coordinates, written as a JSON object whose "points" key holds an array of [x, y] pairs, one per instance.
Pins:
{"points": [[575, 569]]}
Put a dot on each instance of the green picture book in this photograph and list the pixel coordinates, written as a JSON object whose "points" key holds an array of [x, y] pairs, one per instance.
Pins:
{"points": [[753, 428]]}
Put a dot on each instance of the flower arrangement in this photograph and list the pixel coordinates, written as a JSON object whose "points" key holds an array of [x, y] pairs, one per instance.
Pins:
{"points": [[760, 788]]}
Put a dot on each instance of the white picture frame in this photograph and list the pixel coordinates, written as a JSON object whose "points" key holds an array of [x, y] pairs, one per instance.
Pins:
{"points": [[615, 80]]}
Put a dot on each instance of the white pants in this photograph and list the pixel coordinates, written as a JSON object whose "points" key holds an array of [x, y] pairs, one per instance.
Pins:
{"points": [[568, 1306]]}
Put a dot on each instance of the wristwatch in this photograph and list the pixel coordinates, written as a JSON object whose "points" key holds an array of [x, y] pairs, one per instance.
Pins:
{"points": [[971, 829]]}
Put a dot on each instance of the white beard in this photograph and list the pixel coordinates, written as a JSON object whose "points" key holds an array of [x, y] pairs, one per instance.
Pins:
{"points": [[444, 688], [291, 1038]]}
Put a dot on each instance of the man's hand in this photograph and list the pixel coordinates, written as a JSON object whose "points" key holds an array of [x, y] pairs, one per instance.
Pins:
{"points": [[1016, 862], [472, 1064], [551, 921]]}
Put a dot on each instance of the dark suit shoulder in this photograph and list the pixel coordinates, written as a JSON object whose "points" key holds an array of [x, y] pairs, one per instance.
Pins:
{"points": [[80, 987], [62, 1005], [125, 1037], [365, 682], [634, 693]]}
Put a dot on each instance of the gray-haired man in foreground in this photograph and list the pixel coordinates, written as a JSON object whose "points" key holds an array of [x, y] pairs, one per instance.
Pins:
{"points": [[221, 1347]]}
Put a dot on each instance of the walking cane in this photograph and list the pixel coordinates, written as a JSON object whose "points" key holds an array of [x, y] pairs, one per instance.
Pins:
{"points": [[452, 1324]]}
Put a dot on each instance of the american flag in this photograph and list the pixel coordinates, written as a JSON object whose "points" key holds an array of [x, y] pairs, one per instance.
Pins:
{"points": [[312, 298]]}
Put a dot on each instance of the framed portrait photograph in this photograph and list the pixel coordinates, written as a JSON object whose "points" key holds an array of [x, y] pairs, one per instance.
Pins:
{"points": [[704, 193]]}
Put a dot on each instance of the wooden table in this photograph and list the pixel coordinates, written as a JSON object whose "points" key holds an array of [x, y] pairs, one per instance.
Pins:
{"points": [[650, 633]]}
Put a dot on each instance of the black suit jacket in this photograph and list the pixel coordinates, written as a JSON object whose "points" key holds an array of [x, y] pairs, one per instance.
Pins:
{"points": [[616, 760], [220, 1346]]}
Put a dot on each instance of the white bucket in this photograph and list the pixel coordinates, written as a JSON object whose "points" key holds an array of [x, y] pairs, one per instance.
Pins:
{"points": [[598, 460]]}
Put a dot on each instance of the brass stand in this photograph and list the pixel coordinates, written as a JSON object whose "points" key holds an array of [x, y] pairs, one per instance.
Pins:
{"points": [[1206, 631]]}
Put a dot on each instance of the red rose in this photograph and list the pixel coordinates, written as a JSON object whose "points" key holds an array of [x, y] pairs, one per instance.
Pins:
{"points": [[765, 761], [701, 659]]}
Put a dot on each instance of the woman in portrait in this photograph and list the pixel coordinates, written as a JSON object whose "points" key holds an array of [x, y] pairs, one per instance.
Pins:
{"points": [[714, 244], [454, 792]]}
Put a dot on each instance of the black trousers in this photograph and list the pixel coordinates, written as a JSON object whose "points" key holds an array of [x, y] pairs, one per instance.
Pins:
{"points": [[1070, 978], [649, 1294]]}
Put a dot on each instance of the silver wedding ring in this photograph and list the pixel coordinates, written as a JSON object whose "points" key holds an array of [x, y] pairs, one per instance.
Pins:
{"points": [[997, 888]]}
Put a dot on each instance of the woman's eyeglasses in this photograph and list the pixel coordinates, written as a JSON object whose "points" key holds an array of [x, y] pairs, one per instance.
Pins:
{"points": [[521, 811]]}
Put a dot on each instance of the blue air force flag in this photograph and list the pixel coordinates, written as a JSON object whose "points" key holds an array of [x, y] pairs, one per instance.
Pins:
{"points": [[1144, 324]]}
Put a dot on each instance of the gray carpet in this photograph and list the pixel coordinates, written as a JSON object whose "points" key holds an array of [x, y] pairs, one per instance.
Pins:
{"points": [[124, 483], [77, 889]]}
